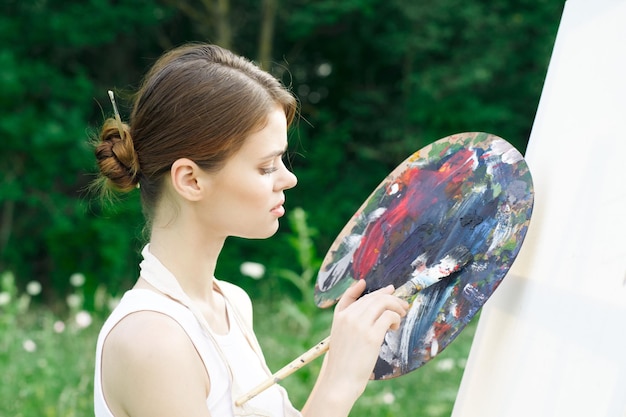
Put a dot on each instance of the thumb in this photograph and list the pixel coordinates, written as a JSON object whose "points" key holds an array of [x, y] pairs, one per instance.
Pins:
{"points": [[351, 294]]}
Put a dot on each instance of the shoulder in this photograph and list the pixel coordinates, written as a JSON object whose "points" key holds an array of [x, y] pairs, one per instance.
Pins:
{"points": [[239, 299], [144, 358], [138, 329]]}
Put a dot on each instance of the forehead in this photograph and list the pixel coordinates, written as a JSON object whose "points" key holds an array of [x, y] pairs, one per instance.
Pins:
{"points": [[270, 140]]}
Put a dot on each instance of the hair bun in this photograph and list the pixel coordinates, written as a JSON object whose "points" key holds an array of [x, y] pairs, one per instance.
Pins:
{"points": [[116, 157]]}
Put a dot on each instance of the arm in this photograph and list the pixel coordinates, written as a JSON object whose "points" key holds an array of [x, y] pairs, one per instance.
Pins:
{"points": [[359, 327], [150, 368]]}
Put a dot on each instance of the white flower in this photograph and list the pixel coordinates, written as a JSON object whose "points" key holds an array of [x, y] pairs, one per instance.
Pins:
{"points": [[113, 302], [5, 298], [29, 345], [74, 301], [58, 326], [388, 398], [445, 365], [83, 319], [77, 279], [33, 288], [253, 270]]}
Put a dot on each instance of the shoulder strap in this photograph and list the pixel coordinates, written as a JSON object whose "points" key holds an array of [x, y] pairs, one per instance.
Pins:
{"points": [[160, 278]]}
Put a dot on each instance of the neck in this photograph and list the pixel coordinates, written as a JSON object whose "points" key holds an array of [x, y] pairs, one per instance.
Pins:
{"points": [[190, 258]]}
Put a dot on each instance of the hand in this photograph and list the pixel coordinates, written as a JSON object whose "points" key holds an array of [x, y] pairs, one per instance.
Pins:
{"points": [[358, 330]]}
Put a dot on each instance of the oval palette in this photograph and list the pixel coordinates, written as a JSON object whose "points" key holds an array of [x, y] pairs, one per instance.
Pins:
{"points": [[469, 192]]}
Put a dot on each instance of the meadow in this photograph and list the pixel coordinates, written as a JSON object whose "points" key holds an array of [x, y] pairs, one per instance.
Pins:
{"points": [[47, 356]]}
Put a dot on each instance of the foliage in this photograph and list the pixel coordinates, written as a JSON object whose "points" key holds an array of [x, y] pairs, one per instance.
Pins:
{"points": [[46, 359], [50, 75], [377, 80], [380, 79], [301, 241]]}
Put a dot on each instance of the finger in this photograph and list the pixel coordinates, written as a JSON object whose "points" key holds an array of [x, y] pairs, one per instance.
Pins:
{"points": [[384, 290], [372, 311], [351, 294], [355, 292], [361, 317], [381, 300], [389, 320]]}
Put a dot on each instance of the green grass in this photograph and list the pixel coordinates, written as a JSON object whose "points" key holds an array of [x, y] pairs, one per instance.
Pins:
{"points": [[429, 391], [47, 360]]}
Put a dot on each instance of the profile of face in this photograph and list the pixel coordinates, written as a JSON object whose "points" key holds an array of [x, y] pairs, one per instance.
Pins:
{"points": [[246, 195], [215, 114]]}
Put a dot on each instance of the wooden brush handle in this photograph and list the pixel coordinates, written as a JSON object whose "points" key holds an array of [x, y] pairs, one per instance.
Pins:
{"points": [[304, 359]]}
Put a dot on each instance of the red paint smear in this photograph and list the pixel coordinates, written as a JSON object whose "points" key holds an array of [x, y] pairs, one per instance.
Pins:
{"points": [[418, 190], [441, 329]]}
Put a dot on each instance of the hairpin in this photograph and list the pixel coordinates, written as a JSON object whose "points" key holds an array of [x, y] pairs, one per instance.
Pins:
{"points": [[120, 126]]}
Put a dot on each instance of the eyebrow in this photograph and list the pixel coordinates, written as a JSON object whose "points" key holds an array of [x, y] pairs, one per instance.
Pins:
{"points": [[275, 154]]}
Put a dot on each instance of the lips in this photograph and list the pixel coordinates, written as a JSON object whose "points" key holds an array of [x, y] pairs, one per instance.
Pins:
{"points": [[278, 210]]}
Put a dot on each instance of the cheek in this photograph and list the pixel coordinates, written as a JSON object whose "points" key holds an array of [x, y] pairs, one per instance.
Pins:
{"points": [[253, 193]]}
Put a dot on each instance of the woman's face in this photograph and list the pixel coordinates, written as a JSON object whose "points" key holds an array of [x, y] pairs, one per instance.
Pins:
{"points": [[247, 195]]}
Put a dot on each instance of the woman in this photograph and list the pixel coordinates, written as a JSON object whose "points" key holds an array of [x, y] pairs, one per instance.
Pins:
{"points": [[205, 144]]}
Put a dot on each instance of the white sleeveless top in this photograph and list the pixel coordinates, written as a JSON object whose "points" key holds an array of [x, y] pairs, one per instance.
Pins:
{"points": [[224, 356]]}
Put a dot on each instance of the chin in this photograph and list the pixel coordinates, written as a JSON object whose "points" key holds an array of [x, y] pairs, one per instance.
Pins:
{"points": [[258, 234]]}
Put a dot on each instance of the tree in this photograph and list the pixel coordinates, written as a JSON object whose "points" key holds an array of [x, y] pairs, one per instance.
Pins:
{"points": [[377, 80], [380, 79], [50, 81]]}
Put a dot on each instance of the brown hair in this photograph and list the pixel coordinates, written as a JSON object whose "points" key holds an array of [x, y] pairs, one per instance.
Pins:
{"points": [[198, 101]]}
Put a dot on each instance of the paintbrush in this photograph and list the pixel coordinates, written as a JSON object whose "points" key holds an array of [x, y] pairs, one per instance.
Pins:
{"points": [[422, 277]]}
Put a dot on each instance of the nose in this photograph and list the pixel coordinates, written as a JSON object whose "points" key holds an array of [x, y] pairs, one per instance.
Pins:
{"points": [[287, 179]]}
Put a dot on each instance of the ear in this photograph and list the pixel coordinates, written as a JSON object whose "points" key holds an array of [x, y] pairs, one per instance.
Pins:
{"points": [[188, 179]]}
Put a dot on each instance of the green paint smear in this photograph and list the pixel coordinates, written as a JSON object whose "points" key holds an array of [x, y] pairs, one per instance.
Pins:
{"points": [[496, 189], [333, 294], [480, 137]]}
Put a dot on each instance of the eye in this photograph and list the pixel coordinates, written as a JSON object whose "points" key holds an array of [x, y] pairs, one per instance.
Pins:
{"points": [[268, 171]]}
